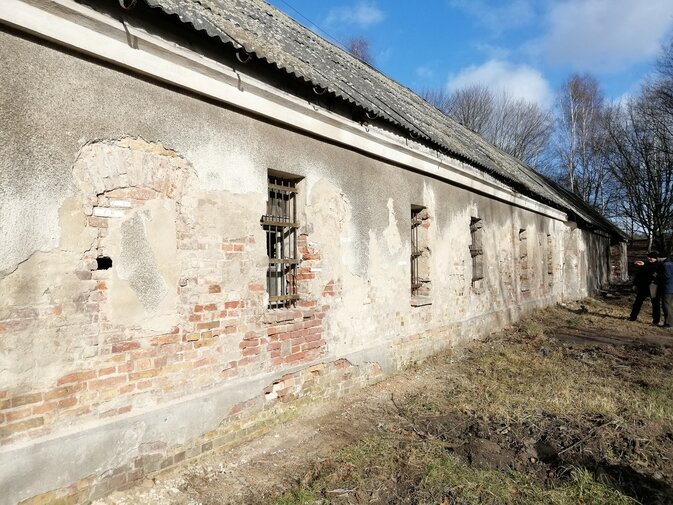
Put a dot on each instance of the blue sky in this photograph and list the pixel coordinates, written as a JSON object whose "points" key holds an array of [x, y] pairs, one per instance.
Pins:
{"points": [[526, 47]]}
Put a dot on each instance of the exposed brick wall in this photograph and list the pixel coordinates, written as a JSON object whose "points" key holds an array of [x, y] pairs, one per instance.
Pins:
{"points": [[245, 421], [128, 369]]}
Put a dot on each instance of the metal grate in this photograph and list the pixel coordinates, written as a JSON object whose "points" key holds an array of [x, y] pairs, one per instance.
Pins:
{"points": [[280, 224], [416, 222], [476, 251]]}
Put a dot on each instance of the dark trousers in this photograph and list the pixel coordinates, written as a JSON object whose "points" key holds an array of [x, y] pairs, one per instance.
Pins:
{"points": [[641, 296], [668, 308]]}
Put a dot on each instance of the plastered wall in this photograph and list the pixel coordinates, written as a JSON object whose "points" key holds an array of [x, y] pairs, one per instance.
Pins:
{"points": [[116, 371]]}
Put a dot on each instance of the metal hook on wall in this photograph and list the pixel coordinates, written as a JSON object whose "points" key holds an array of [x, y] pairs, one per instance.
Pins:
{"points": [[243, 56], [127, 5]]}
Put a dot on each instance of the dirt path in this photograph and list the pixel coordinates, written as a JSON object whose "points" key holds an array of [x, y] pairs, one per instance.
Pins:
{"points": [[279, 459], [574, 400]]}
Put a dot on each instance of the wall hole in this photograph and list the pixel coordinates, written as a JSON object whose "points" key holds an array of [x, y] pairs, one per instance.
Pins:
{"points": [[103, 263]]}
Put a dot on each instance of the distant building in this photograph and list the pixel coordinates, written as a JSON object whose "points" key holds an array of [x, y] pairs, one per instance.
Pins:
{"points": [[207, 210]]}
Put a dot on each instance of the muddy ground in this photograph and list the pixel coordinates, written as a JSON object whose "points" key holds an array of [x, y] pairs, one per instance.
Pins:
{"points": [[573, 405]]}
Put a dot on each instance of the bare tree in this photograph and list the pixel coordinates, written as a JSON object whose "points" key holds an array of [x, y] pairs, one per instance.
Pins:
{"points": [[473, 107], [520, 128], [361, 49], [516, 126], [580, 141], [642, 162], [665, 75]]}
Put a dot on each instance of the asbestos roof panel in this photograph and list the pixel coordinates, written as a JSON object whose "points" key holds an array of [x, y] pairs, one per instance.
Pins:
{"points": [[271, 35]]}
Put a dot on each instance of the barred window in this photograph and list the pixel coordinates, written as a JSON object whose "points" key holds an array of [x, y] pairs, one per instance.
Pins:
{"points": [[523, 261], [550, 256], [416, 251], [281, 226], [476, 251]]}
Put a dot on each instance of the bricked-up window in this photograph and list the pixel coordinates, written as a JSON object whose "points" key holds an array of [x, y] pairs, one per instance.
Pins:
{"points": [[281, 226], [416, 251], [523, 260], [476, 250], [550, 256]]}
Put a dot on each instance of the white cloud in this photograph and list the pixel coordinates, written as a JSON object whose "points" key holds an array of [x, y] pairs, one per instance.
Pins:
{"points": [[606, 35], [498, 16], [362, 14], [518, 81], [424, 72]]}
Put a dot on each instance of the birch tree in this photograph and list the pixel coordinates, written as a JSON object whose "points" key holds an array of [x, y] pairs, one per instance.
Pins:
{"points": [[580, 141]]}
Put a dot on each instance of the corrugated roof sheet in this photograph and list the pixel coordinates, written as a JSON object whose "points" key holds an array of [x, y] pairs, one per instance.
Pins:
{"points": [[269, 34]]}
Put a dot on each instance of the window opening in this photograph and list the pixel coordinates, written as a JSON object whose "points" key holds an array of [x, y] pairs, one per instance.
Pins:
{"points": [[416, 251], [476, 251], [280, 224], [523, 260], [550, 256]]}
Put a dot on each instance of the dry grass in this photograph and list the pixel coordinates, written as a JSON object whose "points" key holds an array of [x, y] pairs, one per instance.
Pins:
{"points": [[605, 410]]}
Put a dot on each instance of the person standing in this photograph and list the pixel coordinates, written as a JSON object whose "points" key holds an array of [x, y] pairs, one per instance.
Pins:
{"points": [[645, 286], [666, 289]]}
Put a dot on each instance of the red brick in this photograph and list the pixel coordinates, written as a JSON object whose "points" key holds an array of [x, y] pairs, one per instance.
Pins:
{"points": [[210, 307], [18, 401], [76, 377], [45, 407], [107, 371], [21, 426], [108, 413], [204, 343], [257, 287], [106, 383], [198, 308], [296, 357], [312, 345], [67, 402], [214, 288], [63, 391], [124, 390], [208, 325], [125, 368], [18, 414], [125, 346], [97, 222], [166, 339], [145, 374], [232, 305]]}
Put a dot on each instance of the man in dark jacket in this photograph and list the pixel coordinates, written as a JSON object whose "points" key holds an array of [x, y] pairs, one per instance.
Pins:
{"points": [[645, 286], [666, 289]]}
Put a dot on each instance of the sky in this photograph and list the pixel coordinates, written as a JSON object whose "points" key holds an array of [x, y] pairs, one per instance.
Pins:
{"points": [[527, 48]]}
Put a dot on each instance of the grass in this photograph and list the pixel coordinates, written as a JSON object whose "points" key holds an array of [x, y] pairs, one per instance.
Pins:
{"points": [[619, 402], [426, 474]]}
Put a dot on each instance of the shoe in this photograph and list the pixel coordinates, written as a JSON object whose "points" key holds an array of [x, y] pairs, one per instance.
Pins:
{"points": [[666, 326]]}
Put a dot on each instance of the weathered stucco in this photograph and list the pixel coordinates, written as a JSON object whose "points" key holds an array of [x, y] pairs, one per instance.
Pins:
{"points": [[103, 368]]}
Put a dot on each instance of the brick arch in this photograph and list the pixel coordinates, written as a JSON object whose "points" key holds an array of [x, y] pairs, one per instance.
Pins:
{"points": [[147, 169]]}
